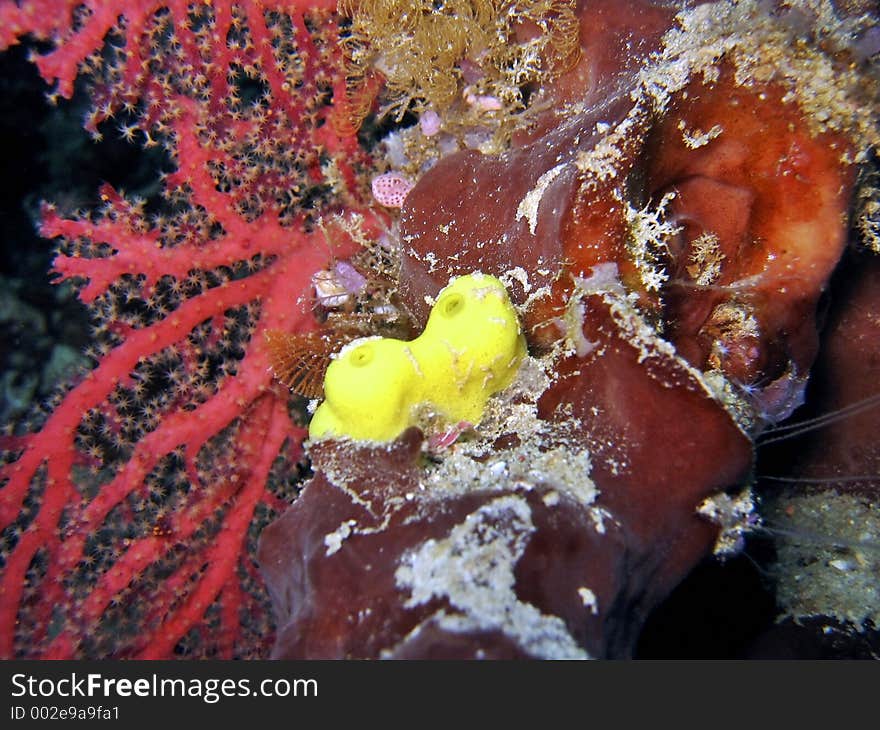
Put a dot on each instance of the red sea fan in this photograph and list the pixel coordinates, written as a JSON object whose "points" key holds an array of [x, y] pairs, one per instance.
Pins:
{"points": [[129, 519]]}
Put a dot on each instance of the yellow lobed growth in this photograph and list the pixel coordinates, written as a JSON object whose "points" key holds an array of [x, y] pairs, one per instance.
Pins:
{"points": [[471, 348]]}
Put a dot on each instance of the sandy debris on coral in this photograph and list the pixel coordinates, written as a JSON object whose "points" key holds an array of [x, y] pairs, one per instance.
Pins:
{"points": [[473, 568], [648, 245], [736, 515], [767, 47], [828, 555], [705, 259], [528, 206], [696, 138]]}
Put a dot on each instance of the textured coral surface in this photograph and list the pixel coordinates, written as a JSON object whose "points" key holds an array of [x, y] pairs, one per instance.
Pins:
{"points": [[665, 196], [667, 227]]}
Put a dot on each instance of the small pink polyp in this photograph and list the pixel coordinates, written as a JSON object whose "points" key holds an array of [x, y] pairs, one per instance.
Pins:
{"points": [[430, 123], [391, 189]]}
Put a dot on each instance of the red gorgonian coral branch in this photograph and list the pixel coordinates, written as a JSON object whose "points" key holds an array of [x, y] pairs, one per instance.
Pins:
{"points": [[130, 517]]}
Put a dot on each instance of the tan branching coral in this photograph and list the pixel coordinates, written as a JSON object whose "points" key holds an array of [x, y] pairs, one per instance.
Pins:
{"points": [[466, 60]]}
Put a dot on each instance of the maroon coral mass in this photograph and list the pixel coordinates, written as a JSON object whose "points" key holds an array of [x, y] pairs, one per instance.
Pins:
{"points": [[772, 195]]}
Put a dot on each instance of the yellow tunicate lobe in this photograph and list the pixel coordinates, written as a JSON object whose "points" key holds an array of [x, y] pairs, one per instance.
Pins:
{"points": [[470, 349]]}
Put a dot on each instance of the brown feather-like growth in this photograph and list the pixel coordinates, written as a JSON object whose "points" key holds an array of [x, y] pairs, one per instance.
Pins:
{"points": [[300, 360]]}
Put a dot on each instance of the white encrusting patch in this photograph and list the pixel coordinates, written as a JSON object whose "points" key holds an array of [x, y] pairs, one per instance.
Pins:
{"points": [[333, 540], [473, 568], [588, 598], [528, 206]]}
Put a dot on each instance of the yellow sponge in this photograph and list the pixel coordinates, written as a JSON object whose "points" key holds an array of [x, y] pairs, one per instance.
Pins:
{"points": [[471, 348]]}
